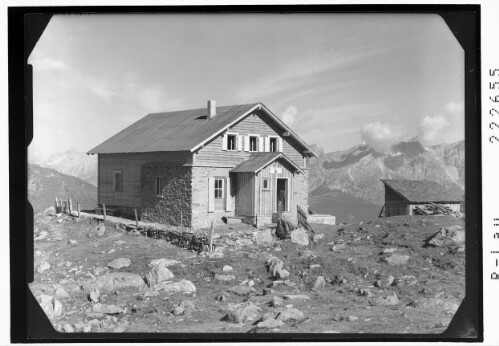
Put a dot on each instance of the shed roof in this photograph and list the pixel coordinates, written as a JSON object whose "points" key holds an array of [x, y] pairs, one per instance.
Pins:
{"points": [[258, 161], [185, 130], [421, 191]]}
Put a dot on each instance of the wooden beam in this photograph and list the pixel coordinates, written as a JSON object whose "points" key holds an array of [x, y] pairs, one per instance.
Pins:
{"points": [[285, 134]]}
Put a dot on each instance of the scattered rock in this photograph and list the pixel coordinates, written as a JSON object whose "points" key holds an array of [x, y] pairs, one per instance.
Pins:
{"points": [[43, 267], [282, 274], [365, 292], [227, 268], [68, 328], [158, 273], [241, 290], [222, 297], [436, 304], [276, 302], [107, 309], [264, 237], [224, 277], [51, 306], [244, 242], [97, 271], [351, 318], [318, 237], [320, 284], [94, 295], [338, 247], [72, 242], [42, 235], [119, 242], [182, 286], [61, 293], [389, 250], [270, 323], [314, 266], [163, 262], [447, 236], [274, 265], [119, 263], [291, 314], [299, 236], [242, 312], [114, 281], [396, 259], [382, 301], [100, 230], [186, 307], [387, 282], [296, 297]]}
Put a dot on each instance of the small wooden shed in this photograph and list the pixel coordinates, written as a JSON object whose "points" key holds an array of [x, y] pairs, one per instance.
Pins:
{"points": [[402, 196]]}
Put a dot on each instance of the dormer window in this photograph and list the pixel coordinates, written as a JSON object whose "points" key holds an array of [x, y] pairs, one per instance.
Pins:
{"points": [[231, 142], [253, 143]]}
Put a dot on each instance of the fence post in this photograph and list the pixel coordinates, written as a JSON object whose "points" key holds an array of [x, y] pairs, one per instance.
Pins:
{"points": [[104, 211], [70, 207], [136, 220], [56, 205], [181, 219], [279, 210], [211, 237], [65, 208], [78, 208]]}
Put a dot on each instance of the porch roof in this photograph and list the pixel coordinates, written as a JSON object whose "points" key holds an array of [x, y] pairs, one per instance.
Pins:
{"points": [[258, 161]]}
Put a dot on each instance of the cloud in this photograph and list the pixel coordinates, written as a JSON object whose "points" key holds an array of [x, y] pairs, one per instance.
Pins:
{"points": [[380, 136], [289, 115], [49, 64], [455, 110], [430, 128]]}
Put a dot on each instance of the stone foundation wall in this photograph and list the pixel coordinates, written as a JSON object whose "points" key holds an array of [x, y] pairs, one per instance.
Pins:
{"points": [[176, 195], [300, 192]]}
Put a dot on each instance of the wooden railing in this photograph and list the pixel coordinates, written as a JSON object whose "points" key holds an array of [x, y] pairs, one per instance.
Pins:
{"points": [[302, 218]]}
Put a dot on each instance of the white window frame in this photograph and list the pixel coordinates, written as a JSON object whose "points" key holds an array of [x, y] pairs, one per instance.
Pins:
{"points": [[117, 188], [277, 144], [263, 184], [257, 137], [236, 141], [157, 186]]}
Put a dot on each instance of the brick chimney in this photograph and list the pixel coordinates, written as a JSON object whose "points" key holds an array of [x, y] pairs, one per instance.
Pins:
{"points": [[212, 109]]}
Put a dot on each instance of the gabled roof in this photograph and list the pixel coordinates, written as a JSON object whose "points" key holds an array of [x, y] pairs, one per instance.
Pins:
{"points": [[258, 161], [421, 191], [186, 130]]}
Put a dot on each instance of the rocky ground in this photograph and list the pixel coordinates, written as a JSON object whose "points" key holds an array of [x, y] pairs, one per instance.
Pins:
{"points": [[393, 275]]}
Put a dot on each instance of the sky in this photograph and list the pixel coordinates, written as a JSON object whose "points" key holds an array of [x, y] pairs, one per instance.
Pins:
{"points": [[337, 79]]}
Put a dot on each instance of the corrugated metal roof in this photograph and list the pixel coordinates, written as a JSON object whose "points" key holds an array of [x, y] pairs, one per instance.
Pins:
{"points": [[421, 191], [172, 131], [183, 130], [258, 161]]}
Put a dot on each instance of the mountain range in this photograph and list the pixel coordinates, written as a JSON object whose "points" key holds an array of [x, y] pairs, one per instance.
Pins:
{"points": [[44, 184], [342, 183], [356, 172]]}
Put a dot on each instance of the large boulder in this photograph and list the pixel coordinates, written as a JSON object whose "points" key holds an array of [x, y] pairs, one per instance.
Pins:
{"points": [[384, 301], [264, 237], [299, 236], [43, 267], [224, 277], [274, 265], [158, 273], [186, 307], [242, 312], [449, 236], [182, 286], [119, 263], [111, 282], [163, 262], [51, 306], [291, 314], [396, 259]]}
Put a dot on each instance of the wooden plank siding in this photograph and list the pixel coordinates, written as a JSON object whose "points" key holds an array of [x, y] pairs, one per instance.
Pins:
{"points": [[255, 123], [267, 199], [245, 196], [130, 166]]}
